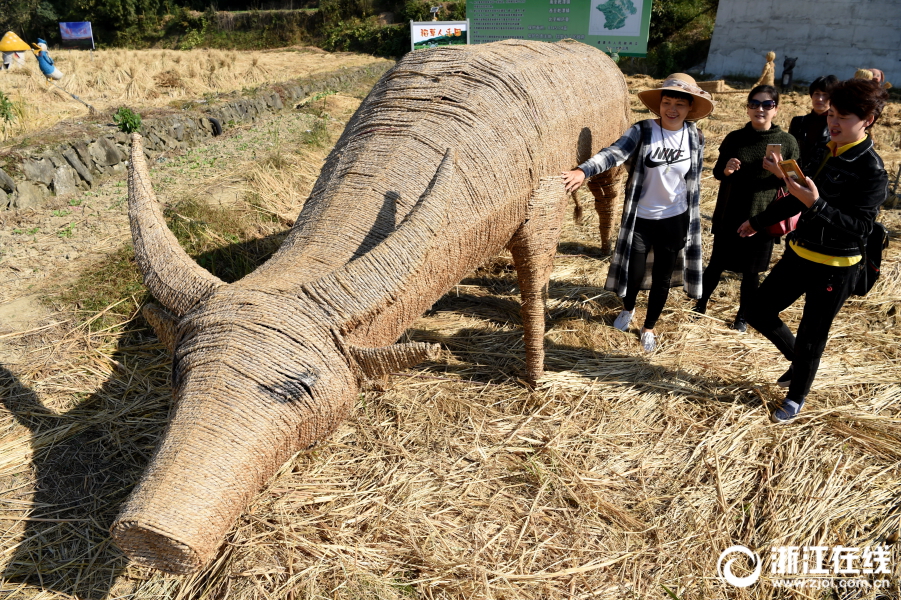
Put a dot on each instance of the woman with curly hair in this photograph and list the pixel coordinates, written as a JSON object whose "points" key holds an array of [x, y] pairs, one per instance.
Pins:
{"points": [[822, 260]]}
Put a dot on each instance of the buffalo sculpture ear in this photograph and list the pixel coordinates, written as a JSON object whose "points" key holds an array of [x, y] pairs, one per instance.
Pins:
{"points": [[377, 363], [164, 324]]}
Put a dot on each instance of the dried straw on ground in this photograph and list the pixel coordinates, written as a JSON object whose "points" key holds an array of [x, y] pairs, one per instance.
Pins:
{"points": [[620, 474]]}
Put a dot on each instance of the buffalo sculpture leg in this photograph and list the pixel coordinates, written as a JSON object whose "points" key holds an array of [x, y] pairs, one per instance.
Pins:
{"points": [[604, 189], [533, 247]]}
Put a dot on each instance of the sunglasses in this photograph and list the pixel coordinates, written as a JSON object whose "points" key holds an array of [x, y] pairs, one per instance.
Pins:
{"points": [[766, 104]]}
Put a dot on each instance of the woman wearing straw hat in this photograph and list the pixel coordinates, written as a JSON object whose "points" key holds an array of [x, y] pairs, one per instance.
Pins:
{"points": [[661, 227]]}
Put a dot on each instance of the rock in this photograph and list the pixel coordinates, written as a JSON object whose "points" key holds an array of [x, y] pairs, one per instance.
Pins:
{"points": [[83, 172], [56, 160], [81, 148], [29, 195], [6, 182], [4, 200], [276, 102], [38, 170], [64, 181], [168, 142], [105, 153], [178, 130]]}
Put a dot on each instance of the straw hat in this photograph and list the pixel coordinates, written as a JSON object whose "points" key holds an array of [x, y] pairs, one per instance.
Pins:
{"points": [[680, 82]]}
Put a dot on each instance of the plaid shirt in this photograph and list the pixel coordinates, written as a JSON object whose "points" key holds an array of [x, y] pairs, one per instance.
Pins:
{"points": [[630, 149]]}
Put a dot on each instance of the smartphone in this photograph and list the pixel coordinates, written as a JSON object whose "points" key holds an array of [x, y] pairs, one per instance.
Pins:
{"points": [[773, 149], [791, 169]]}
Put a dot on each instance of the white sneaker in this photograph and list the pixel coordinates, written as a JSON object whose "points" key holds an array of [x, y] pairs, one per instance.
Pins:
{"points": [[623, 319], [648, 341]]}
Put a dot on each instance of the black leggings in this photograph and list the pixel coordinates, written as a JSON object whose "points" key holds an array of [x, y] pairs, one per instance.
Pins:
{"points": [[750, 281], [666, 237]]}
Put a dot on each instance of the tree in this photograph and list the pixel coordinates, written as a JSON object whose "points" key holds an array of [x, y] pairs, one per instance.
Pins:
{"points": [[16, 15]]}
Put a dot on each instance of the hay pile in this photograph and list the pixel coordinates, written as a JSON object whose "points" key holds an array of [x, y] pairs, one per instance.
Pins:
{"points": [[143, 79], [619, 474]]}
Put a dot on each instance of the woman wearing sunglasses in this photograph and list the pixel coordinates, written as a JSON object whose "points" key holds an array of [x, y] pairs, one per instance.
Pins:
{"points": [[822, 258], [746, 189]]}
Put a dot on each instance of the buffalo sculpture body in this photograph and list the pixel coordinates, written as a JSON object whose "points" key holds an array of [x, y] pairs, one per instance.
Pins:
{"points": [[453, 156]]}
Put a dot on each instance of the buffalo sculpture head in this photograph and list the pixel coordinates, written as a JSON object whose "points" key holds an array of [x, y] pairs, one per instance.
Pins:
{"points": [[260, 370]]}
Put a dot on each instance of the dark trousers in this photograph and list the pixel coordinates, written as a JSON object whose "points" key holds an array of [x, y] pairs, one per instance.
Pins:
{"points": [[750, 281], [666, 237], [826, 289]]}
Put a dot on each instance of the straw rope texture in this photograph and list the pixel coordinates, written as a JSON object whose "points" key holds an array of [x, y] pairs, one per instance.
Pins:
{"points": [[455, 155]]}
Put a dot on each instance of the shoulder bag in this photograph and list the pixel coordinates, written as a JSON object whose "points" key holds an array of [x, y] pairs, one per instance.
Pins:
{"points": [[871, 259], [786, 225]]}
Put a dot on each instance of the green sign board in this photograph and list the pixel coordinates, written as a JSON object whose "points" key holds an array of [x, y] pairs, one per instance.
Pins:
{"points": [[619, 26]]}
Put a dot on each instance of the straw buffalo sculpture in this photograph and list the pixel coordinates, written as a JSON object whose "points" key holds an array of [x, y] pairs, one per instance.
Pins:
{"points": [[453, 156]]}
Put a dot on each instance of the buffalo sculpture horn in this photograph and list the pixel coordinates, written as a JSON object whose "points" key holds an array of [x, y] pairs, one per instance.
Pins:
{"points": [[453, 156]]}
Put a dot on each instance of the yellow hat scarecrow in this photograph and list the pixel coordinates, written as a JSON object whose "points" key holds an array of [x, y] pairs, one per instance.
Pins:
{"points": [[12, 43], [12, 48]]}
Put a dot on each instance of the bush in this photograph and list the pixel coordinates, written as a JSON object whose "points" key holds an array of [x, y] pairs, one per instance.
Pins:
{"points": [[127, 120], [336, 11], [680, 34], [366, 35], [662, 60], [419, 10], [6, 108]]}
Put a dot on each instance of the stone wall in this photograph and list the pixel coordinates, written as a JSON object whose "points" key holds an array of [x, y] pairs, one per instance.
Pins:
{"points": [[27, 180]]}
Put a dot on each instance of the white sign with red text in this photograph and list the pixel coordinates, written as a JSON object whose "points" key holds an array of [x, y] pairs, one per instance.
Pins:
{"points": [[431, 34]]}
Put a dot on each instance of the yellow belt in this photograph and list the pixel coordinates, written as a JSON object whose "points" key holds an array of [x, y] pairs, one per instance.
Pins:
{"points": [[824, 259]]}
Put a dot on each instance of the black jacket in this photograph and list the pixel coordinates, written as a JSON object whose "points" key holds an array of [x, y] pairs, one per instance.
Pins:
{"points": [[851, 188], [810, 130]]}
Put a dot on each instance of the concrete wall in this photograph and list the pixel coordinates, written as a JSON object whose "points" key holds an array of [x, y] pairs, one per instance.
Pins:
{"points": [[828, 37]]}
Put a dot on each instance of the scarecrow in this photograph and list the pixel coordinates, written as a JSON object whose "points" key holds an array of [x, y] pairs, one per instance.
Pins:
{"points": [[13, 47], [45, 62], [768, 75]]}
